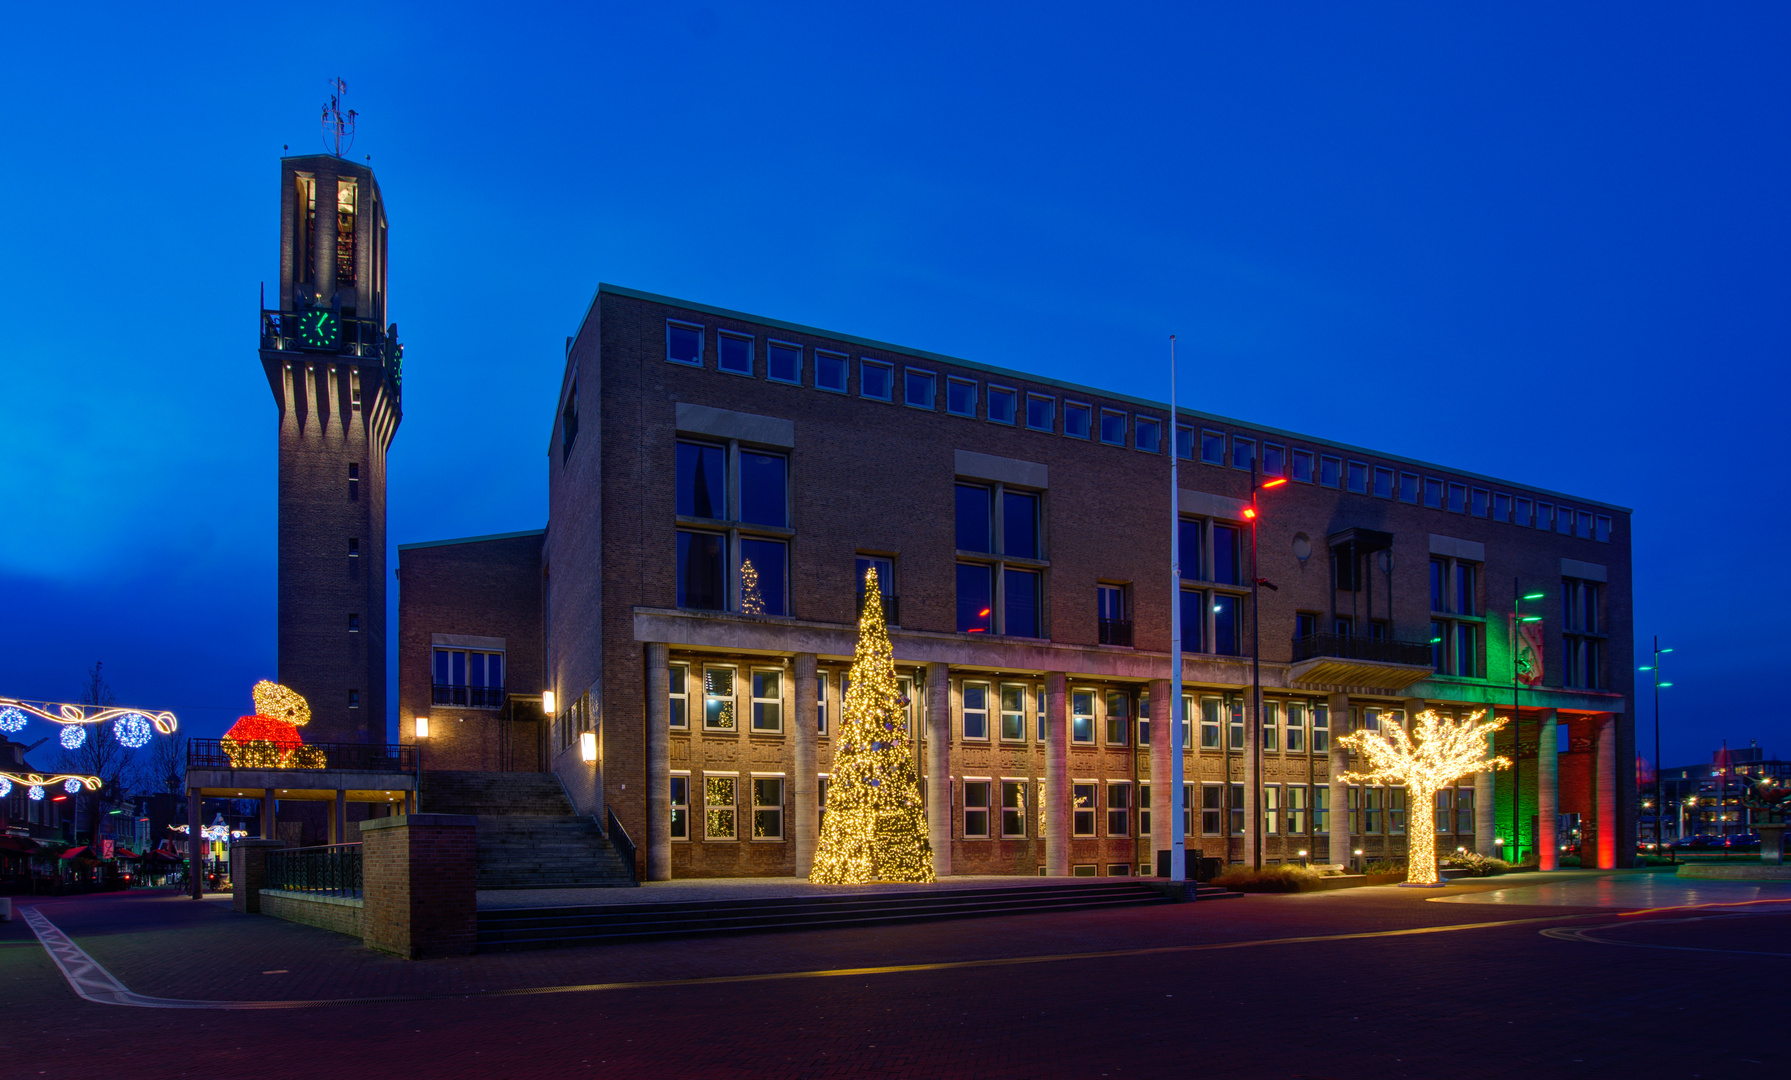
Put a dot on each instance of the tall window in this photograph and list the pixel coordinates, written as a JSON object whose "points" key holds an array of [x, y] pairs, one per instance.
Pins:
{"points": [[1110, 609], [1227, 555], [1212, 809], [1454, 591], [767, 701], [1321, 809], [1082, 718], [1321, 729], [346, 194], [1082, 808], [1296, 808], [1235, 714], [679, 705], [1013, 808], [975, 523], [821, 703], [1296, 727], [1237, 809], [1119, 809], [1227, 625], [718, 699], [720, 796], [976, 598], [1119, 714], [886, 583], [767, 808], [1582, 639], [1271, 809], [976, 710], [680, 800], [1271, 725], [976, 808], [1210, 723], [1013, 713], [1004, 523], [1464, 811]]}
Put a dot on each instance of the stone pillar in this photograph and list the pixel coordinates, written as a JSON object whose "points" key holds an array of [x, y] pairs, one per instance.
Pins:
{"points": [[1548, 770], [341, 817], [1162, 745], [1057, 776], [806, 820], [1485, 813], [248, 872], [1341, 847], [1252, 785], [195, 846], [269, 829], [659, 766], [938, 749], [418, 874], [1606, 787]]}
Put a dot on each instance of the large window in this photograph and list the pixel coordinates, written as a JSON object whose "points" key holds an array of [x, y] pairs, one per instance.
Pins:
{"points": [[1191, 549], [976, 598], [702, 570], [1296, 808], [762, 585], [1012, 533], [976, 711], [702, 481], [1227, 625], [757, 496], [1212, 809], [680, 806], [975, 523], [767, 808], [976, 809], [1119, 808], [1455, 642], [1013, 808], [1082, 808], [1210, 722], [1582, 639], [720, 796], [1227, 555], [764, 488], [1020, 603], [469, 677], [1020, 524], [1082, 716]]}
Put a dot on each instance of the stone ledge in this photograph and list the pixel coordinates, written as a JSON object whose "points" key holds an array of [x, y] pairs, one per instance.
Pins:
{"points": [[1734, 872], [312, 898]]}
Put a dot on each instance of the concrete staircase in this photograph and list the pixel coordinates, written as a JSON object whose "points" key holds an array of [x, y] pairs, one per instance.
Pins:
{"points": [[529, 837], [515, 929]]}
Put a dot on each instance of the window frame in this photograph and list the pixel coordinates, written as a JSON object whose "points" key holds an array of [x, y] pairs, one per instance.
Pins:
{"points": [[958, 382], [760, 704], [1089, 789], [967, 808], [1245, 446], [1392, 478], [1105, 415], [1208, 438], [829, 357], [931, 379], [1013, 399], [1334, 463], [1001, 692], [1093, 697], [1139, 423], [1120, 814], [1280, 450], [758, 807], [888, 368], [774, 343], [1351, 470], [1016, 811], [702, 342], [732, 809], [751, 352], [1050, 403], [1295, 457], [1087, 412], [680, 830], [676, 697], [731, 700]]}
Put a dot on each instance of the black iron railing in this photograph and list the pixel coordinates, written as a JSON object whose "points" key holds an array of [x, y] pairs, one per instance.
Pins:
{"points": [[1116, 631], [619, 837], [892, 608], [1351, 647], [329, 870], [359, 337], [360, 757], [473, 697]]}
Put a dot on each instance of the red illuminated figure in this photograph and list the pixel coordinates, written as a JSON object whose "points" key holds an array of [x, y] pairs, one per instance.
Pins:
{"points": [[270, 739]]}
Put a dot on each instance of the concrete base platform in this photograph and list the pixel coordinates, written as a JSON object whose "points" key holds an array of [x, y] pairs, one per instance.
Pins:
{"points": [[1735, 872]]}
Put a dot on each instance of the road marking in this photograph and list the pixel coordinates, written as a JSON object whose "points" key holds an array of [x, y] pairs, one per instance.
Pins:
{"points": [[94, 983], [1585, 934]]}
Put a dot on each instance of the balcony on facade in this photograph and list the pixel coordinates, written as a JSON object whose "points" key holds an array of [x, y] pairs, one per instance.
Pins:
{"points": [[1350, 660], [472, 697]]}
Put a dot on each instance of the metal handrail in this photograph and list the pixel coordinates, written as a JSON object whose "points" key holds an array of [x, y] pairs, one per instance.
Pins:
{"points": [[1351, 647], [1116, 631], [892, 607], [619, 837], [325, 870], [473, 697]]}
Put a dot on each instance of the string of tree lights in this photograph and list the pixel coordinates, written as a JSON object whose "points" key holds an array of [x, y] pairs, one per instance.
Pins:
{"points": [[875, 828], [1435, 754]]}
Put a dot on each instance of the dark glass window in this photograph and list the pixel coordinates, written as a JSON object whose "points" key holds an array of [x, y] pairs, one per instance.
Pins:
{"points": [[1438, 570], [1302, 466], [1458, 498], [1477, 503], [1439, 646], [1184, 442], [1466, 656], [1226, 551], [885, 576], [974, 519], [783, 363], [702, 481], [1408, 487], [1330, 471], [1193, 621], [762, 489], [735, 353], [1020, 607], [875, 380], [1078, 420], [1243, 453], [1274, 459], [1041, 412], [762, 575], [1227, 625], [702, 571], [1147, 434], [976, 598], [1383, 482], [960, 397], [1001, 405], [1433, 493], [1019, 525], [1212, 447], [683, 343], [1113, 427], [1464, 589], [1191, 538], [1358, 477], [1305, 625], [830, 371], [1110, 602], [917, 388]]}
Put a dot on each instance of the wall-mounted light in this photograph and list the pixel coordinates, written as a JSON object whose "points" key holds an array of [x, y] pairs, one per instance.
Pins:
{"points": [[422, 727], [547, 702], [587, 745]]}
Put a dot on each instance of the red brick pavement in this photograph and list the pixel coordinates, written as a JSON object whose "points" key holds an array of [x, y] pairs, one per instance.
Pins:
{"points": [[1492, 1002]]}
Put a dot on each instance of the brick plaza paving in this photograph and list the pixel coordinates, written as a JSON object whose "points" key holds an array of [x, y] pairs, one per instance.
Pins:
{"points": [[1573, 974]]}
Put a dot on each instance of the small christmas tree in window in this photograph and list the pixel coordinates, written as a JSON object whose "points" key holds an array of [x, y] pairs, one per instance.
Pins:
{"points": [[875, 828]]}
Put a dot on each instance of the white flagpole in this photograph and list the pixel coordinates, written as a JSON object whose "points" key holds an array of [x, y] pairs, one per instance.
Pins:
{"points": [[1178, 844]]}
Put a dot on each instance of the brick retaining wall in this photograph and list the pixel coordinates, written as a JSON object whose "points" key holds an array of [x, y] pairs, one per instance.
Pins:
{"points": [[338, 913]]}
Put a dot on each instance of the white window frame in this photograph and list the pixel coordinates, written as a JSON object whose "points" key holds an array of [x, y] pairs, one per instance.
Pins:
{"points": [[1217, 811], [672, 794], [823, 685], [1271, 809], [674, 696], [1018, 785], [845, 363], [953, 380], [1014, 398], [1270, 723], [732, 809], [751, 352], [1294, 726], [1107, 718], [783, 793], [1092, 789], [932, 378], [1212, 720], [1295, 817], [966, 808], [1139, 420], [867, 362], [1049, 401], [1124, 812], [1094, 696], [965, 711], [1088, 414], [702, 342], [774, 343], [759, 703], [732, 698], [1004, 712]]}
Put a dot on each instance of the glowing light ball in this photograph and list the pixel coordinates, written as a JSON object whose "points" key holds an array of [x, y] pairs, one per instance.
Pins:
{"points": [[5, 787], [36, 793], [71, 786], [133, 730], [73, 735], [12, 719]]}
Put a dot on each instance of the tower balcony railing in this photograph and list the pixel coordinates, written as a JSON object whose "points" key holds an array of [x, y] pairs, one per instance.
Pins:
{"points": [[356, 757], [473, 697], [360, 338], [1351, 647], [892, 607]]}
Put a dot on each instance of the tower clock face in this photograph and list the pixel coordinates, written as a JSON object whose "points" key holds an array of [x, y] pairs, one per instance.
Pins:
{"points": [[320, 331]]}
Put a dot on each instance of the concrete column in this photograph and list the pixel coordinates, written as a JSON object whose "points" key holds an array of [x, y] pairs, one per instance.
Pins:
{"points": [[1548, 770], [269, 831], [1162, 746], [1340, 846], [806, 821], [659, 764], [938, 748], [339, 819], [195, 846], [1057, 776], [1485, 813], [1252, 785], [1606, 787]]}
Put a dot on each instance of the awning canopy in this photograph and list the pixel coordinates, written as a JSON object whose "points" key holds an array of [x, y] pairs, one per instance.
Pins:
{"points": [[18, 843], [72, 853]]}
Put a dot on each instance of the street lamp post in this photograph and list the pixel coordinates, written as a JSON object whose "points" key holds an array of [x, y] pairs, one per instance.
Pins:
{"points": [[1518, 596], [1660, 807], [1256, 484], [1178, 851]]}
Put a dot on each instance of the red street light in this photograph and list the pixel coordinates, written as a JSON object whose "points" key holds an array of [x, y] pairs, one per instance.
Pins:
{"points": [[1274, 483]]}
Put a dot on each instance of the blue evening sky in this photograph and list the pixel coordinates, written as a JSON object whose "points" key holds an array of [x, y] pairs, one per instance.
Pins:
{"points": [[1546, 242]]}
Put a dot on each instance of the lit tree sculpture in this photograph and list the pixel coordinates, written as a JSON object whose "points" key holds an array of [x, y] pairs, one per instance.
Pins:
{"points": [[875, 827], [1436, 752]]}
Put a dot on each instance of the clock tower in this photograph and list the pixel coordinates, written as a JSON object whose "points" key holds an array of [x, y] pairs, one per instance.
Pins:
{"points": [[332, 362]]}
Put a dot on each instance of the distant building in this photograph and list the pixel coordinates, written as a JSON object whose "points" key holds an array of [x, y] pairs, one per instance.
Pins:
{"points": [[1705, 800]]}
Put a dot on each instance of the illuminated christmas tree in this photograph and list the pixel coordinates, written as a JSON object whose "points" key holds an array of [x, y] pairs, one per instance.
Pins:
{"points": [[1435, 754], [875, 828], [751, 601]]}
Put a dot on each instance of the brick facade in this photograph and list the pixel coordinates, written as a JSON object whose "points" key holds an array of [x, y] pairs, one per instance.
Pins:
{"points": [[417, 884], [340, 914]]}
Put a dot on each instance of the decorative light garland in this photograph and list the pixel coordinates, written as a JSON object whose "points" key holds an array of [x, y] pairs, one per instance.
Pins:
{"points": [[36, 793], [15, 711], [12, 718], [876, 826], [1436, 753], [5, 787], [133, 730], [71, 783], [71, 786], [73, 737]]}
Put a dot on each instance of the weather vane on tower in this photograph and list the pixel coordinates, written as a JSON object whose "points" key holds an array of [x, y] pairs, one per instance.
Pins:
{"points": [[336, 123]]}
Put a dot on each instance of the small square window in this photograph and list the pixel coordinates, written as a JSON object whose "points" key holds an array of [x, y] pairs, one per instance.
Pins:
{"points": [[1147, 433], [1078, 420], [1302, 466], [1525, 512], [1501, 506], [1477, 502], [960, 397], [1358, 477], [830, 371], [1002, 402], [1212, 447], [734, 353], [354, 699], [1545, 516], [1041, 412], [1458, 498], [1184, 442], [1433, 493], [783, 362], [1113, 427], [684, 343], [1243, 453], [1330, 471], [876, 379], [1274, 459], [917, 388], [1383, 482], [1408, 488], [1602, 529], [354, 623], [354, 547], [1585, 525]]}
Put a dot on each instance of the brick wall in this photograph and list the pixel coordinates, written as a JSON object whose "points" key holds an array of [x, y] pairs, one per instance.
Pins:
{"points": [[417, 884], [341, 914]]}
